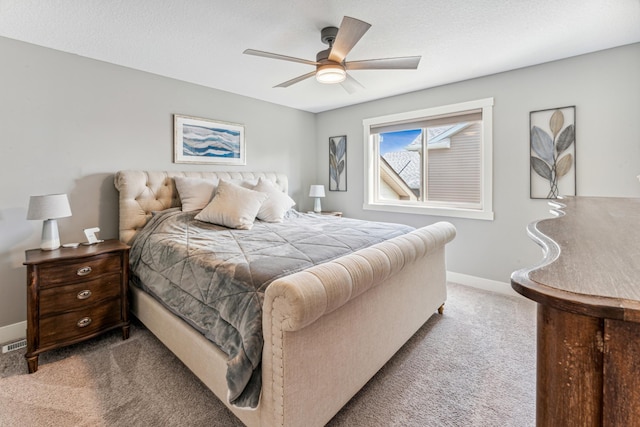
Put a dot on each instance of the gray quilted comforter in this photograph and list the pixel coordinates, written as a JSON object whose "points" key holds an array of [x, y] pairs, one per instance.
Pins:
{"points": [[215, 277]]}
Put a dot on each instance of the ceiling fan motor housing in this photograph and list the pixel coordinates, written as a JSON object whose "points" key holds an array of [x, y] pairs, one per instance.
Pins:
{"points": [[323, 56], [328, 71]]}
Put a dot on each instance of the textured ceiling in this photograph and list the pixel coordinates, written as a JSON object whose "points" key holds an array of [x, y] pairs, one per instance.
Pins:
{"points": [[201, 41]]}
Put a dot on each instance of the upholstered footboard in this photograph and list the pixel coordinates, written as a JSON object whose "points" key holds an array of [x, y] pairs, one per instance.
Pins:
{"points": [[327, 330], [330, 328]]}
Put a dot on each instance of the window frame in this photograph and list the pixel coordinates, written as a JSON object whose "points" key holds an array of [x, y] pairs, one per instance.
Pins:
{"points": [[450, 209]]}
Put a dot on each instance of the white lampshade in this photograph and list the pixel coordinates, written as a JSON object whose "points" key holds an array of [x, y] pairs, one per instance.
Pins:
{"points": [[317, 191], [48, 208]]}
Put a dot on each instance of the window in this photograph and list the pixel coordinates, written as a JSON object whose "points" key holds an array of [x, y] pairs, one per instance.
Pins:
{"points": [[436, 161]]}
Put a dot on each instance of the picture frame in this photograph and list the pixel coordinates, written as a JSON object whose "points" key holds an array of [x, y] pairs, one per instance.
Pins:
{"points": [[205, 141], [552, 148], [338, 163]]}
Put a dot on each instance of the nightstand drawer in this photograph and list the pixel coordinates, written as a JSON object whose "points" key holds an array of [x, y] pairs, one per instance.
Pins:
{"points": [[73, 297], [68, 326], [78, 269]]}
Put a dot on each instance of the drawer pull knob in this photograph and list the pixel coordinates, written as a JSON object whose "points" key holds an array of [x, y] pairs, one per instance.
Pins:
{"points": [[83, 271], [84, 294], [84, 322]]}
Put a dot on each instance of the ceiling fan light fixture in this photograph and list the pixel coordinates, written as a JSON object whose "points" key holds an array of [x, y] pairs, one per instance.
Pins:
{"points": [[330, 73]]}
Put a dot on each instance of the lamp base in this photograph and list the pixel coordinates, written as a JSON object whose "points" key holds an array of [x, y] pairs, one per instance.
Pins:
{"points": [[316, 205], [50, 237]]}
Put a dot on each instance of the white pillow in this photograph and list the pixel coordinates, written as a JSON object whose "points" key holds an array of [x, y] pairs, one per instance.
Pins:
{"points": [[195, 193], [276, 206], [246, 183], [233, 206]]}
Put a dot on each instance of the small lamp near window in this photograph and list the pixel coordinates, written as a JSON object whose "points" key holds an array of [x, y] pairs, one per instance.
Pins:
{"points": [[317, 191], [48, 208]]}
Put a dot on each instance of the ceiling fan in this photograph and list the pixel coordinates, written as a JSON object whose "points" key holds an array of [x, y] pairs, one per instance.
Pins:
{"points": [[331, 65]]}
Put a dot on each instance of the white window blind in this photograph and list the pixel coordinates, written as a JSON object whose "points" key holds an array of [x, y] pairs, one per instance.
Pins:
{"points": [[442, 120]]}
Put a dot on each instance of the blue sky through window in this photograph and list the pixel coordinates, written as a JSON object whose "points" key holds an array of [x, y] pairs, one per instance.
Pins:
{"points": [[397, 141]]}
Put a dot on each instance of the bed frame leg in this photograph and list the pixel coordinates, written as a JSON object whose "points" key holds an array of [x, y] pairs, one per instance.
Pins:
{"points": [[441, 309]]}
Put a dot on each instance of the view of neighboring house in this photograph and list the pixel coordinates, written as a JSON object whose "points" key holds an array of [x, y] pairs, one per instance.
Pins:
{"points": [[452, 167]]}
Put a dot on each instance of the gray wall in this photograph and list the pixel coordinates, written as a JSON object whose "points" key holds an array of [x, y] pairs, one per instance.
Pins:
{"points": [[604, 87], [68, 123]]}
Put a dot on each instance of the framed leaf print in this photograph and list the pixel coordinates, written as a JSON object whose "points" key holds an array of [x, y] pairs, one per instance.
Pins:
{"points": [[553, 153], [338, 163]]}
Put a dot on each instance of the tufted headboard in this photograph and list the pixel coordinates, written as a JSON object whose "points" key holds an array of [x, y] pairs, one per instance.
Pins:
{"points": [[142, 192]]}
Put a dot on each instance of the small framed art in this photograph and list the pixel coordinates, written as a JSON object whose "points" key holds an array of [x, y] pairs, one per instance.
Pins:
{"points": [[338, 163], [553, 152], [205, 141]]}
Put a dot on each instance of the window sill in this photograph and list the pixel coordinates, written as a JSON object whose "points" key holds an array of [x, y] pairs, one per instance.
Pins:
{"points": [[430, 210]]}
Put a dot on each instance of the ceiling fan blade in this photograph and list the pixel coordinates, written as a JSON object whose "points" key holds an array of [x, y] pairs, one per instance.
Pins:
{"points": [[351, 85], [403, 63], [350, 32], [297, 79], [277, 56]]}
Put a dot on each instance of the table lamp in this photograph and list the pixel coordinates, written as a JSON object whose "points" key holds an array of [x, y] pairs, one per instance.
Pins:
{"points": [[48, 208], [317, 191]]}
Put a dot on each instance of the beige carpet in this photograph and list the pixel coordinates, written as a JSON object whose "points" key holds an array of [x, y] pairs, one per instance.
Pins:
{"points": [[473, 366]]}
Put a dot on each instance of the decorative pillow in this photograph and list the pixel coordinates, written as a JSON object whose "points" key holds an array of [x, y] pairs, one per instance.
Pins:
{"points": [[195, 193], [276, 206], [233, 206], [246, 183]]}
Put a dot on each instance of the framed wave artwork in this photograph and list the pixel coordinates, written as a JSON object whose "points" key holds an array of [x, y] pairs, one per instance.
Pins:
{"points": [[204, 141]]}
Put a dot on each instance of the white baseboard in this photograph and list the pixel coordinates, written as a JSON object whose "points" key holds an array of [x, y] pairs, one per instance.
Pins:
{"points": [[480, 283], [14, 332]]}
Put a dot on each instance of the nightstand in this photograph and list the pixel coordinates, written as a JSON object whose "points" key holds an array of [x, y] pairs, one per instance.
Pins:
{"points": [[74, 294]]}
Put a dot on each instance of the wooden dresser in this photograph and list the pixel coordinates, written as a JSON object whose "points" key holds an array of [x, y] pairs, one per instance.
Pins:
{"points": [[588, 292], [74, 294]]}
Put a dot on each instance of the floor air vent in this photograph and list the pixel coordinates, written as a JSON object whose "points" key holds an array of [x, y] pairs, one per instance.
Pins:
{"points": [[14, 346]]}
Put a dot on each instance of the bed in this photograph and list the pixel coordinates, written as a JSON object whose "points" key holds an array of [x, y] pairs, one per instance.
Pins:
{"points": [[328, 322]]}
